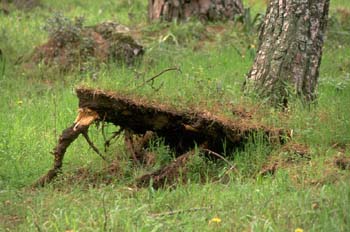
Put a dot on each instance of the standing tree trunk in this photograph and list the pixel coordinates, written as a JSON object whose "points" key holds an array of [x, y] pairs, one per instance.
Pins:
{"points": [[290, 50], [204, 9], [20, 4]]}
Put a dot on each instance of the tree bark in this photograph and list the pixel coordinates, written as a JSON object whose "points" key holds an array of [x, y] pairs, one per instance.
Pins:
{"points": [[290, 50], [204, 9], [20, 4]]}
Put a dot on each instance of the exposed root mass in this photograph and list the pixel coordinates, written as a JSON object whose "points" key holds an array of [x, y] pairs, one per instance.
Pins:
{"points": [[140, 122]]}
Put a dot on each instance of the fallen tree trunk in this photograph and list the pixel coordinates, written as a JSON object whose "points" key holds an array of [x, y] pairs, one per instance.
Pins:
{"points": [[182, 131]]}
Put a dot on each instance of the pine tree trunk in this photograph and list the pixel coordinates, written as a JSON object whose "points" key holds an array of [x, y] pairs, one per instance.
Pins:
{"points": [[204, 9], [20, 4], [290, 50]]}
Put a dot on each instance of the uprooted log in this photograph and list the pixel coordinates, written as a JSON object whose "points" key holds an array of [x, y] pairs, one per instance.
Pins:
{"points": [[182, 131]]}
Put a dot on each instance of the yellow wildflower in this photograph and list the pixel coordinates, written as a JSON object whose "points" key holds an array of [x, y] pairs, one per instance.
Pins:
{"points": [[215, 220], [19, 102], [298, 230]]}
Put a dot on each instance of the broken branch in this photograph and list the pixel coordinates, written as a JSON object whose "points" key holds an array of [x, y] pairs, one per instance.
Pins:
{"points": [[116, 134], [86, 136], [81, 125], [67, 137], [219, 156], [159, 74]]}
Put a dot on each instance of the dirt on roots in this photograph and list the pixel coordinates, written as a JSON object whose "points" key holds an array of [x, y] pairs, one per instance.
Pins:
{"points": [[183, 131]]}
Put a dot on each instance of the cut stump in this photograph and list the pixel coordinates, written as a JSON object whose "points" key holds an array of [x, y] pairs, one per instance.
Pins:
{"points": [[182, 131]]}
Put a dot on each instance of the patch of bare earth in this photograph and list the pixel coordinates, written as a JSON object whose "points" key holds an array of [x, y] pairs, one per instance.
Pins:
{"points": [[8, 222], [296, 159], [342, 162], [286, 156]]}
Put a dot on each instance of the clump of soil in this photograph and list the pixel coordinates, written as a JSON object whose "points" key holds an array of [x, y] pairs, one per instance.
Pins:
{"points": [[93, 178], [289, 154], [71, 44], [344, 16], [342, 162], [303, 170]]}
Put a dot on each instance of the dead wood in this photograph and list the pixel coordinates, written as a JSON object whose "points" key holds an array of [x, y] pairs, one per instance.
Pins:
{"points": [[67, 137], [166, 175], [136, 146], [81, 125], [151, 79], [92, 145], [182, 131]]}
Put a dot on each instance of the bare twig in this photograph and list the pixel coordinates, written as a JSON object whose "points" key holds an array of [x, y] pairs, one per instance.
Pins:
{"points": [[159, 87], [86, 136], [115, 135], [220, 156], [164, 71], [173, 212], [159, 74]]}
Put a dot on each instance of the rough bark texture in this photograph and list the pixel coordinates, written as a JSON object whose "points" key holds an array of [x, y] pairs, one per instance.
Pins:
{"points": [[204, 9], [20, 4], [290, 50]]}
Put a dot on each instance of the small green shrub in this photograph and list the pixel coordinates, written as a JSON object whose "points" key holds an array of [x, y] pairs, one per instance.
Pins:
{"points": [[64, 30]]}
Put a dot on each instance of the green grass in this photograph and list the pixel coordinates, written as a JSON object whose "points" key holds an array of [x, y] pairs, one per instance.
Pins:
{"points": [[37, 104], [262, 205]]}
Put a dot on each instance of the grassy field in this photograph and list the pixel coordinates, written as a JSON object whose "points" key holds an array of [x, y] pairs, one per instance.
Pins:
{"points": [[307, 192]]}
